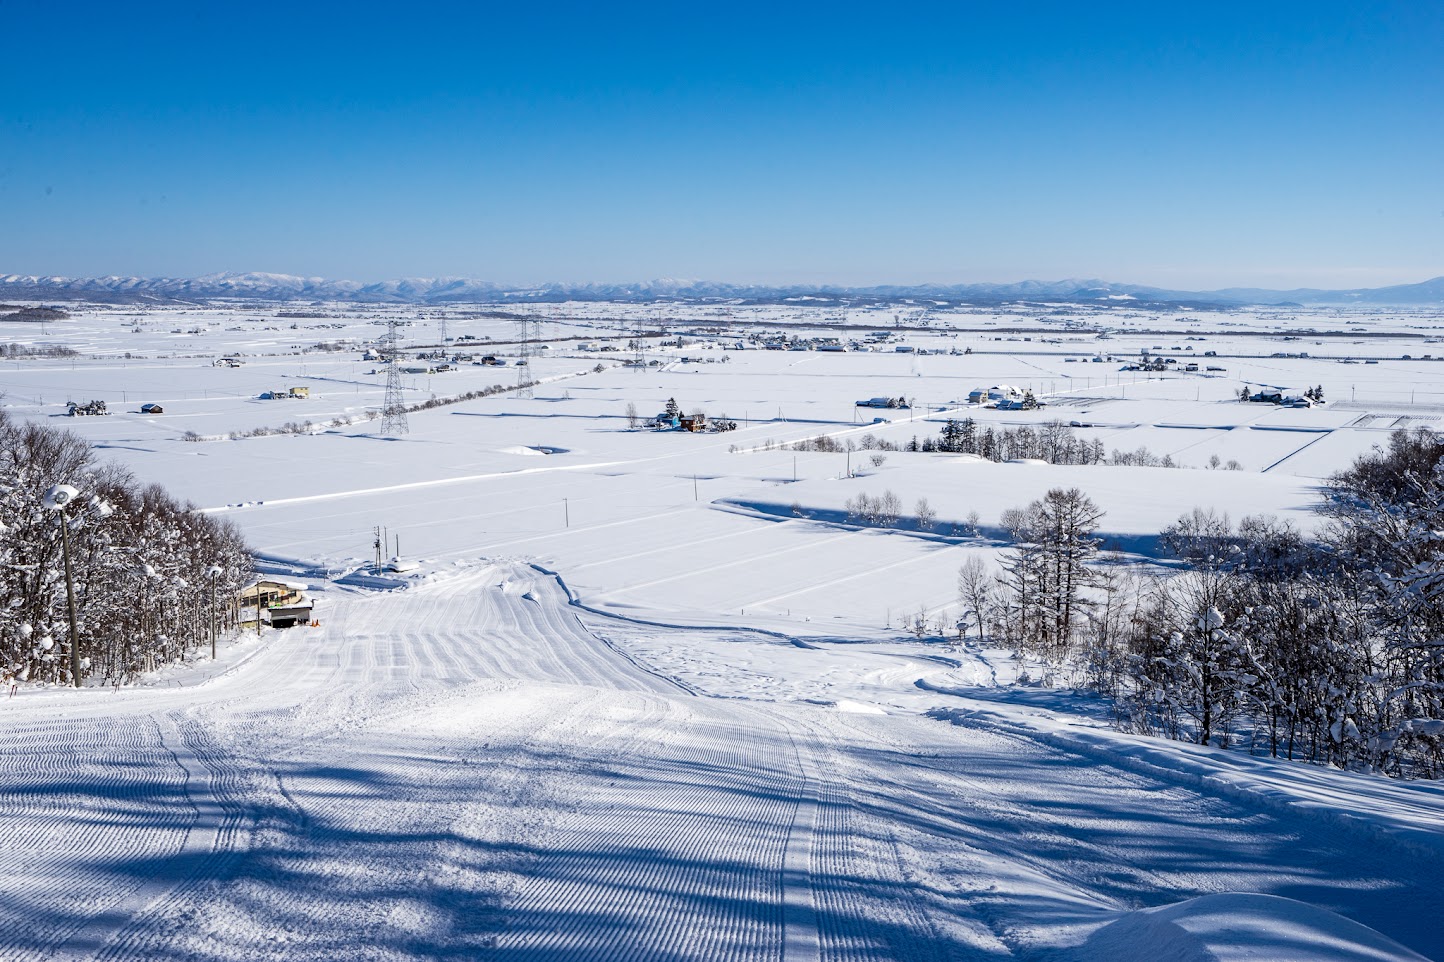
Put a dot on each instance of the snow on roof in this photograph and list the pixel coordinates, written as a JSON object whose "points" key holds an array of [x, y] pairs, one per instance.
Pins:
{"points": [[287, 582]]}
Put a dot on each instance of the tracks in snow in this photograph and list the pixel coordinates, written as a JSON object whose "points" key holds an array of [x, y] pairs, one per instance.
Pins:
{"points": [[146, 817], [463, 770]]}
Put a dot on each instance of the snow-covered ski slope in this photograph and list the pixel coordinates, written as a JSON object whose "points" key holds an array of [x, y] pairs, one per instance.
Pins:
{"points": [[728, 747], [472, 769]]}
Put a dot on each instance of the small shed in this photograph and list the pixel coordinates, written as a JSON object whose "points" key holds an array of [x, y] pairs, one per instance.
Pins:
{"points": [[151, 409], [692, 422]]}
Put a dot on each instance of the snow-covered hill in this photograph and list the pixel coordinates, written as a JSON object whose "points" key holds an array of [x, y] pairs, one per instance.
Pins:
{"points": [[467, 770]]}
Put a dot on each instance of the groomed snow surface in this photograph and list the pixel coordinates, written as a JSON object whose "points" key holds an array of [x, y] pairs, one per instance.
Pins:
{"points": [[648, 696], [472, 768]]}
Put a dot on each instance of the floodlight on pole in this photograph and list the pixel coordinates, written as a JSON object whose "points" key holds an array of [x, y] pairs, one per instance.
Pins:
{"points": [[56, 499], [214, 571]]}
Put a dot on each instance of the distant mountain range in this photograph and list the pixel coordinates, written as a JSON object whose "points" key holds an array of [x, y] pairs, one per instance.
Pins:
{"points": [[454, 290]]}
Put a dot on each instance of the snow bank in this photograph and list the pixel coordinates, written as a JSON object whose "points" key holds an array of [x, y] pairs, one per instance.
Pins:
{"points": [[1374, 808], [1237, 927]]}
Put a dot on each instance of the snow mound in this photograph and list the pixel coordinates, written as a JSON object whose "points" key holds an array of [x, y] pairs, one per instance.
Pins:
{"points": [[859, 708], [1237, 927], [525, 450]]}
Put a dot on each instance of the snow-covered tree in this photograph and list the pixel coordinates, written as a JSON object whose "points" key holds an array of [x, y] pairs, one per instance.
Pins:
{"points": [[1388, 531], [141, 564], [1047, 573]]}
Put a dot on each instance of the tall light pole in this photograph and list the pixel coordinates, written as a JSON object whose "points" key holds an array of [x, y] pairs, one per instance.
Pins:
{"points": [[55, 500], [214, 571]]}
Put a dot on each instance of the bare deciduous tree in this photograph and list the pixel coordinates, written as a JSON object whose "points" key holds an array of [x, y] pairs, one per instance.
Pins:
{"points": [[975, 591], [926, 515]]}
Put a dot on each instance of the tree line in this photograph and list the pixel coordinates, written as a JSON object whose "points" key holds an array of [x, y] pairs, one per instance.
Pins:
{"points": [[153, 577], [1327, 649], [1052, 441]]}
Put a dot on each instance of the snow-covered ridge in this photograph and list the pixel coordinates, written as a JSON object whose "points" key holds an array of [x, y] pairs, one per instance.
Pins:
{"points": [[439, 290]]}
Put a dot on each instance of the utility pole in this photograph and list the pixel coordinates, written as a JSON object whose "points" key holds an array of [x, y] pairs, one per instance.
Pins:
{"points": [[567, 512]]}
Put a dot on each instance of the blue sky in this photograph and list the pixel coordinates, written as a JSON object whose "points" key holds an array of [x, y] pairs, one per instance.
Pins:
{"points": [[1270, 144]]}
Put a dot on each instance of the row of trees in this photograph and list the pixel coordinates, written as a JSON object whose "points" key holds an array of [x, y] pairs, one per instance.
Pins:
{"points": [[1052, 441], [1328, 650], [830, 445], [309, 427], [153, 578], [886, 511], [13, 350]]}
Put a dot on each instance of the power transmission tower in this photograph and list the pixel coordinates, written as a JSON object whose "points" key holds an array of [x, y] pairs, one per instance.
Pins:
{"points": [[393, 409], [443, 334], [526, 330]]}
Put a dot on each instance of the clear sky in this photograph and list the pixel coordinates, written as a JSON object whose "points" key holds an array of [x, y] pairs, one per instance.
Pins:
{"points": [[1184, 145]]}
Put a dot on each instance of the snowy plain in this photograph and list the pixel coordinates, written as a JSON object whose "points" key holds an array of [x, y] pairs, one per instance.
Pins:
{"points": [[647, 695]]}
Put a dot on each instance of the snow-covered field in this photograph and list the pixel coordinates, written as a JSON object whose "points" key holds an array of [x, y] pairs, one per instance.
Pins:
{"points": [[646, 695]]}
